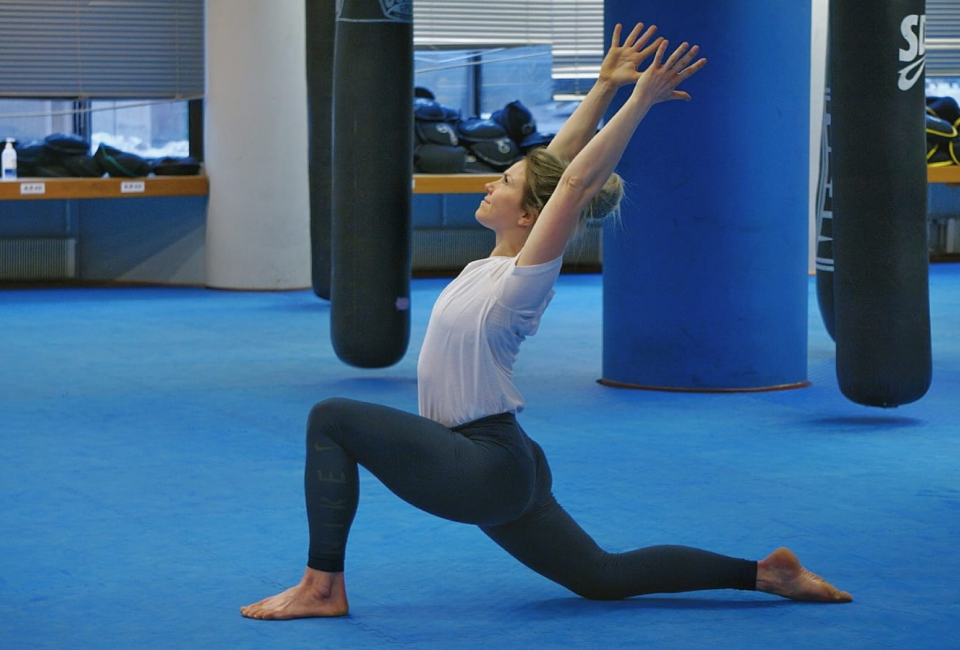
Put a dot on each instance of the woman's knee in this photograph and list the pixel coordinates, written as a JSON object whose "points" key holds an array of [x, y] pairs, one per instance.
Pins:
{"points": [[327, 416]]}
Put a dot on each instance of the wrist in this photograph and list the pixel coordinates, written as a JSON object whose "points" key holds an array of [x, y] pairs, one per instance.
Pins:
{"points": [[606, 84], [638, 103]]}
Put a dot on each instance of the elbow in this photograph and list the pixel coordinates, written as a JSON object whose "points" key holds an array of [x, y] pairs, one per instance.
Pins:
{"points": [[592, 196], [575, 187], [579, 190]]}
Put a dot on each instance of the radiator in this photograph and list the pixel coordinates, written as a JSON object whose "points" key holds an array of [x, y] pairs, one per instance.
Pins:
{"points": [[38, 259]]}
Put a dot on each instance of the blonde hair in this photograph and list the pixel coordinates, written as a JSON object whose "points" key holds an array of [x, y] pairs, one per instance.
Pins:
{"points": [[543, 173]]}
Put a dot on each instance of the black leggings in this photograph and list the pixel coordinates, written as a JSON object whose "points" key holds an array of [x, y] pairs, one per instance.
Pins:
{"points": [[487, 473]]}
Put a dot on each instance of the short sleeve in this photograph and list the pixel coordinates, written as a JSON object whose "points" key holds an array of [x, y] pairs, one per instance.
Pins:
{"points": [[527, 288]]}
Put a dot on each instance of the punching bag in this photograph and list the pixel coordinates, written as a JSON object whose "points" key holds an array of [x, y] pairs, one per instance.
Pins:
{"points": [[881, 296], [321, 29], [372, 178], [824, 209]]}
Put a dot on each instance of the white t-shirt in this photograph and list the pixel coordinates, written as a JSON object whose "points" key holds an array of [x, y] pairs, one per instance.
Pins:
{"points": [[465, 370]]}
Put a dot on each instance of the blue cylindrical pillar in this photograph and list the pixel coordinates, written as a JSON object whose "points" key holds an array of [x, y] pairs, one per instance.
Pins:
{"points": [[705, 277]]}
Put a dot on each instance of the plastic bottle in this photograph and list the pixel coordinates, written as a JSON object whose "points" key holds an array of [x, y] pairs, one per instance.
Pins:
{"points": [[9, 161]]}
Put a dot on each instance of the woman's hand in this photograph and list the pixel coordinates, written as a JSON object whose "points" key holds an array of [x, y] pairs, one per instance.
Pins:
{"points": [[619, 66], [658, 83]]}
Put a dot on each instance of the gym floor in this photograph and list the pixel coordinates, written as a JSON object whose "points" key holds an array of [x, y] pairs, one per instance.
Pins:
{"points": [[151, 483]]}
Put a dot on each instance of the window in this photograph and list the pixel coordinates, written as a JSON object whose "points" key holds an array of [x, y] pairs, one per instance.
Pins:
{"points": [[98, 48], [943, 49], [150, 130], [32, 119], [121, 71], [480, 81], [476, 58], [943, 38], [572, 28]]}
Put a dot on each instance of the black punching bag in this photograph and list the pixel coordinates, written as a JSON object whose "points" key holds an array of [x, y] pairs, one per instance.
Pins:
{"points": [[881, 293], [321, 28], [824, 208], [372, 177]]}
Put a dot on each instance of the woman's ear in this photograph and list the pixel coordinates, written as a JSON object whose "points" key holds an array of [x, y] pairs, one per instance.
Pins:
{"points": [[527, 219]]}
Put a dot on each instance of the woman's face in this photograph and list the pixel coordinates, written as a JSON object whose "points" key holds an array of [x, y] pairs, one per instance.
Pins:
{"points": [[501, 207]]}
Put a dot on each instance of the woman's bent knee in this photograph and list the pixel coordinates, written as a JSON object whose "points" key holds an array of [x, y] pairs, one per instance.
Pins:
{"points": [[327, 416], [331, 407]]}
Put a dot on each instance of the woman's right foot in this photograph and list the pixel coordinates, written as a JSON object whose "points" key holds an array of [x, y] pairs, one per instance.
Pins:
{"points": [[782, 574], [318, 594]]}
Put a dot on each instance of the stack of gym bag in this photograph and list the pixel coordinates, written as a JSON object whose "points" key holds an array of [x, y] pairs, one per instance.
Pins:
{"points": [[943, 137], [446, 143], [64, 155]]}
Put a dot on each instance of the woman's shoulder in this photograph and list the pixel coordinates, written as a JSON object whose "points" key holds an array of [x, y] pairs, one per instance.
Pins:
{"points": [[494, 264], [498, 268]]}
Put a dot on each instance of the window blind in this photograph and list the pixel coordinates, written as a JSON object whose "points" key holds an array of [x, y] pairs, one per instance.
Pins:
{"points": [[121, 49], [573, 28], [943, 38]]}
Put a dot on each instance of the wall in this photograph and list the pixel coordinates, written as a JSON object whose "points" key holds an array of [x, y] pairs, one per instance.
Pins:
{"points": [[151, 241]]}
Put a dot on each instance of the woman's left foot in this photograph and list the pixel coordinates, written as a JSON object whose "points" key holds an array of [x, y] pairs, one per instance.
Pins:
{"points": [[782, 574], [318, 594]]}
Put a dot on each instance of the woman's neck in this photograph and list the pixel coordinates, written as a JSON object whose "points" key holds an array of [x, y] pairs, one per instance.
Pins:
{"points": [[501, 250], [509, 246]]}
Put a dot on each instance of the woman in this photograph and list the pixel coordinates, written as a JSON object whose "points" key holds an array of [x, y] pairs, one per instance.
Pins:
{"points": [[465, 458]]}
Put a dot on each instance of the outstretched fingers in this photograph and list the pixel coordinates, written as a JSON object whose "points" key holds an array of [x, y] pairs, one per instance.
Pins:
{"points": [[615, 38], [667, 70], [621, 62], [634, 34], [640, 42], [680, 60], [649, 49], [662, 46], [681, 64], [637, 44], [674, 59], [631, 41], [686, 65]]}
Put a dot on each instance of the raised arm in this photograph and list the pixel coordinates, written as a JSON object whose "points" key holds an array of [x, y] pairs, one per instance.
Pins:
{"points": [[619, 68], [591, 168]]}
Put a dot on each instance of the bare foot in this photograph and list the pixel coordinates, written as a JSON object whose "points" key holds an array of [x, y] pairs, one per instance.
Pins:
{"points": [[318, 594], [782, 574]]}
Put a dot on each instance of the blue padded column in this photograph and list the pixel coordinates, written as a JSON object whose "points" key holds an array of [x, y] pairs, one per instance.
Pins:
{"points": [[705, 279]]}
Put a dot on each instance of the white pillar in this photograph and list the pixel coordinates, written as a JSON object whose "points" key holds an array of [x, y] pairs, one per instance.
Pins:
{"points": [[255, 130], [819, 10]]}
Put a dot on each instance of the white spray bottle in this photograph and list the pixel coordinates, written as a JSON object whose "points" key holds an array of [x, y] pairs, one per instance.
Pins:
{"points": [[8, 161]]}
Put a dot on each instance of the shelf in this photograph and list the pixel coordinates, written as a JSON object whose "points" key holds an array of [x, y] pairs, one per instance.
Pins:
{"points": [[949, 175], [474, 183], [452, 183], [153, 186], [103, 188]]}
